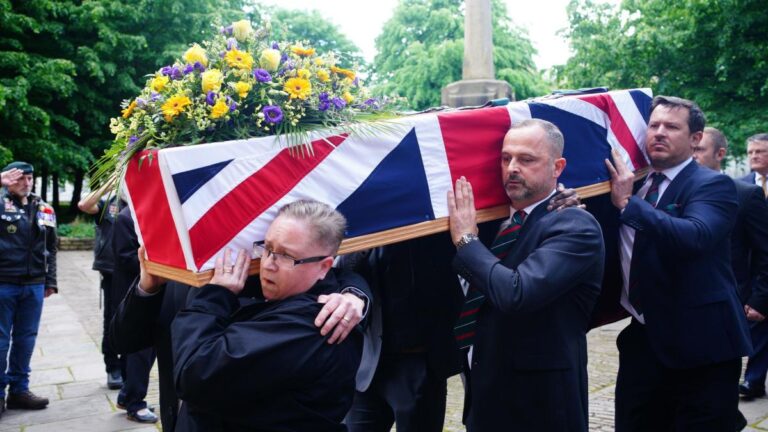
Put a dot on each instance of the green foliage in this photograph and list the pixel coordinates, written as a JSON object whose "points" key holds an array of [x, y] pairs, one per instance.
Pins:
{"points": [[324, 36], [421, 50], [712, 51], [79, 228]]}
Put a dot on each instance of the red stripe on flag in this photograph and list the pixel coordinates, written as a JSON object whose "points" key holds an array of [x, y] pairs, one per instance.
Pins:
{"points": [[473, 144], [253, 196], [153, 213], [468, 312], [465, 335], [619, 127]]}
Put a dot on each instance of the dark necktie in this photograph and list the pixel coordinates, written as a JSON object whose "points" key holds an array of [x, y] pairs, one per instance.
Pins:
{"points": [[652, 196], [464, 330]]}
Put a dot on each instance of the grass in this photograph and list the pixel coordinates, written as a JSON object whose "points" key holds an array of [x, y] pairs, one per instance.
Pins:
{"points": [[79, 228]]}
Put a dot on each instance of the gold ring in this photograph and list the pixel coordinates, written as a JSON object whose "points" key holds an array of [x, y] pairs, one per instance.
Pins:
{"points": [[346, 319], [229, 269]]}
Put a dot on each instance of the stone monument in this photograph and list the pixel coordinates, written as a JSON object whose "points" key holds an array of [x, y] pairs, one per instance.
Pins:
{"points": [[478, 84]]}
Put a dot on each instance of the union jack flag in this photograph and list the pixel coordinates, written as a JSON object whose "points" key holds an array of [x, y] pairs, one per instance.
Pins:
{"points": [[191, 202]]}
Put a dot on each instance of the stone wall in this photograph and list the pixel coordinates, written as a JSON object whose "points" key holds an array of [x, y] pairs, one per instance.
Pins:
{"points": [[72, 243]]}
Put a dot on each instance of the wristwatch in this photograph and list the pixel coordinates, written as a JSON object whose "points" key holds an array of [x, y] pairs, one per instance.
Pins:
{"points": [[466, 239]]}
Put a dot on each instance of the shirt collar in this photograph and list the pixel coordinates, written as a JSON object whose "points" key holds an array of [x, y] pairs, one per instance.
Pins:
{"points": [[671, 173]]}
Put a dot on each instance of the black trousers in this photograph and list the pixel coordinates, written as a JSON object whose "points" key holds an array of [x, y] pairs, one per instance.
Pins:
{"points": [[138, 366], [402, 392], [653, 397], [112, 361]]}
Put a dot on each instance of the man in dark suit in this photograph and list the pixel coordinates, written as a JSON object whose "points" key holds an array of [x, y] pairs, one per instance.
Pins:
{"points": [[757, 152], [535, 289], [680, 358], [757, 279]]}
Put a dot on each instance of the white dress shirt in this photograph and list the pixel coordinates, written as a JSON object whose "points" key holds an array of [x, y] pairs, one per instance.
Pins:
{"points": [[627, 234]]}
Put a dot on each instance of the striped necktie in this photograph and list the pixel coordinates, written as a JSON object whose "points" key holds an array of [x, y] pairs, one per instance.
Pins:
{"points": [[464, 330], [652, 196]]}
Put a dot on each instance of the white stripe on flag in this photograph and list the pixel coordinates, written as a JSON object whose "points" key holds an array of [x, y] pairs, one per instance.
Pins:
{"points": [[435, 160]]}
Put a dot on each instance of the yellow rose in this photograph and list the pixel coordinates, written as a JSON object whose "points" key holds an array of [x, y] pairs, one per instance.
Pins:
{"points": [[196, 54], [212, 80], [270, 59], [241, 30], [219, 109], [159, 82], [242, 88], [323, 75], [303, 73], [348, 97]]}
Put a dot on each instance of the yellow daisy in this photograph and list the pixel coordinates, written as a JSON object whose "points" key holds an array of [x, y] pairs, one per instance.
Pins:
{"points": [[174, 106], [239, 59], [298, 88]]}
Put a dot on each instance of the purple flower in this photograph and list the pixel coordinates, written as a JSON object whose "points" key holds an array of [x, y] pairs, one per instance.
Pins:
{"points": [[339, 103], [199, 67], [232, 104], [141, 103], [226, 30], [356, 82], [154, 96], [210, 98], [172, 71], [132, 139], [323, 97], [262, 75], [283, 57], [323, 105], [272, 114], [275, 46], [231, 44], [188, 69]]}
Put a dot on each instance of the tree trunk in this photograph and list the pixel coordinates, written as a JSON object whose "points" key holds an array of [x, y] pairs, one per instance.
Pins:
{"points": [[55, 187], [44, 184], [76, 192]]}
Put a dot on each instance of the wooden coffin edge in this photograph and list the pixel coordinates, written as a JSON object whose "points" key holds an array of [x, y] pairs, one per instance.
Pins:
{"points": [[382, 238]]}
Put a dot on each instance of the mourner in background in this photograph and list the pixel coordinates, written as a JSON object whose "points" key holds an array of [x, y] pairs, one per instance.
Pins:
{"points": [[28, 247]]}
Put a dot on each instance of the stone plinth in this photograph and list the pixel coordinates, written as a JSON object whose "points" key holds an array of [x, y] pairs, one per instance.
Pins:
{"points": [[475, 92]]}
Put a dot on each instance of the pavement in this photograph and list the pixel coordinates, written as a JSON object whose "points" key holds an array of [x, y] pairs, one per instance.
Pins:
{"points": [[67, 367]]}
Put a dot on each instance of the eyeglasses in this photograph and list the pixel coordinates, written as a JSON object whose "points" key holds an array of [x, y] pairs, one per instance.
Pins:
{"points": [[283, 260]]}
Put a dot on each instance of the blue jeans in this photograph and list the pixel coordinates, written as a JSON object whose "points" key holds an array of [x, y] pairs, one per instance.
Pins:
{"points": [[20, 310]]}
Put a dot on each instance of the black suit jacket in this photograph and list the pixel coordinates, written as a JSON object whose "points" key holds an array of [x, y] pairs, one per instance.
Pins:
{"points": [[681, 266], [529, 366], [749, 246]]}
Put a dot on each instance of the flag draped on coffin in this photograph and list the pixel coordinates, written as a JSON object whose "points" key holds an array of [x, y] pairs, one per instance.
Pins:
{"points": [[192, 202]]}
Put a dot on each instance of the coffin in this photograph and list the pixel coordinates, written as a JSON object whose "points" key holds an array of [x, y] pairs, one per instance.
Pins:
{"points": [[191, 202]]}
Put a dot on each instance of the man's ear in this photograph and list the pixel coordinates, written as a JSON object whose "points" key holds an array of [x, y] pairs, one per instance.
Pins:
{"points": [[559, 166], [325, 266]]}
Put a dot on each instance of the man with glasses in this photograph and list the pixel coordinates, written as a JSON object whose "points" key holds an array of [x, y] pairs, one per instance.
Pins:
{"points": [[247, 362]]}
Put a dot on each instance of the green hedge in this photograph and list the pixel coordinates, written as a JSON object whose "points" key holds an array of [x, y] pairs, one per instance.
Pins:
{"points": [[79, 228]]}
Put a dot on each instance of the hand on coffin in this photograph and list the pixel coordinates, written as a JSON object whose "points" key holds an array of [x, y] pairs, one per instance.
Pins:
{"points": [[231, 276], [341, 313], [147, 282], [622, 180], [462, 216], [565, 198]]}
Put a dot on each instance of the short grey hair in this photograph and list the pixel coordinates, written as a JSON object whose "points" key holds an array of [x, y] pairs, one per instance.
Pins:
{"points": [[758, 137], [554, 136], [325, 223], [719, 141]]}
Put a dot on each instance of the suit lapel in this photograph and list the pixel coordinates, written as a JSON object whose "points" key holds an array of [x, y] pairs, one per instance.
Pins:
{"points": [[674, 188]]}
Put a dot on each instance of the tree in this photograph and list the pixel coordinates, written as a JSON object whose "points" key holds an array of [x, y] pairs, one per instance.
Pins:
{"points": [[421, 50], [297, 25], [712, 51]]}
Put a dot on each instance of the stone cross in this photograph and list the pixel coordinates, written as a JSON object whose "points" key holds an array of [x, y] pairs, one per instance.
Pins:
{"points": [[478, 84]]}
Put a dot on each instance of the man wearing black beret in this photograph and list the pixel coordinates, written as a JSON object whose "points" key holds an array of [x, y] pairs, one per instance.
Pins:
{"points": [[27, 275]]}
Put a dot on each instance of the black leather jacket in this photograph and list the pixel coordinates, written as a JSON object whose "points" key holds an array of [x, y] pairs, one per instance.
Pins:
{"points": [[28, 241]]}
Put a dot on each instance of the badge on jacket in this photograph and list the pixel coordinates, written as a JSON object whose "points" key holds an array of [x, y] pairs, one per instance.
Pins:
{"points": [[46, 216], [11, 229], [9, 206]]}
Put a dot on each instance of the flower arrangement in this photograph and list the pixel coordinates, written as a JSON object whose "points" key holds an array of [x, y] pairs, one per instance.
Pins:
{"points": [[238, 85]]}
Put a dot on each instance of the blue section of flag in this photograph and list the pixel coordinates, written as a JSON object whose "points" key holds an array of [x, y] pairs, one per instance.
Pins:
{"points": [[643, 102], [395, 194], [586, 145], [188, 182]]}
